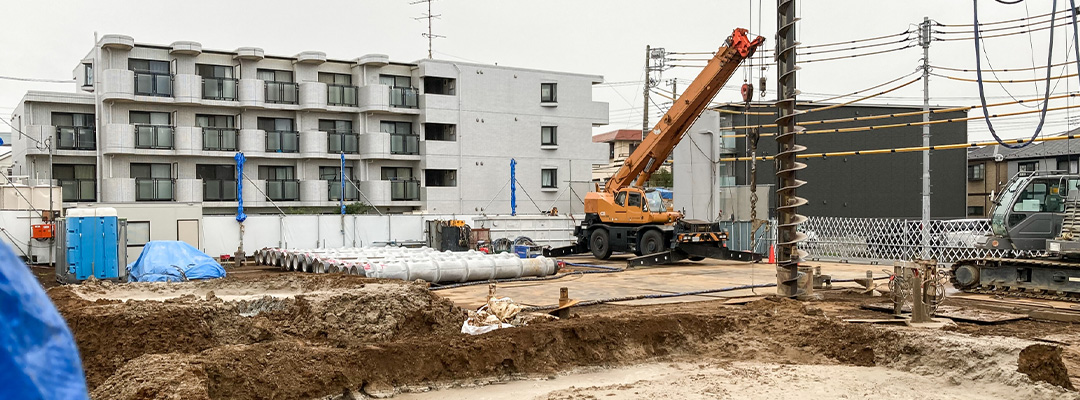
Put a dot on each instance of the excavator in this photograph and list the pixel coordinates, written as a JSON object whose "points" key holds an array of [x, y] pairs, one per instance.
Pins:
{"points": [[1035, 223], [626, 217]]}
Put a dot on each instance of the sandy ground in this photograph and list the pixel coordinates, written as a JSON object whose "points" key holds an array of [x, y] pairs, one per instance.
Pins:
{"points": [[740, 380]]}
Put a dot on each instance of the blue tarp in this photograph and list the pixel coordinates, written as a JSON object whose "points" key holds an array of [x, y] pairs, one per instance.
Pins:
{"points": [[38, 357], [171, 261], [664, 193]]}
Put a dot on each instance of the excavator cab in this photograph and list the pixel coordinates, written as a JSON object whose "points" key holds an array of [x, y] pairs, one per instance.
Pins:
{"points": [[1031, 209]]}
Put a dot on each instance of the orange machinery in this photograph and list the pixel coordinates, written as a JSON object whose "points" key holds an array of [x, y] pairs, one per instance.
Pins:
{"points": [[626, 217]]}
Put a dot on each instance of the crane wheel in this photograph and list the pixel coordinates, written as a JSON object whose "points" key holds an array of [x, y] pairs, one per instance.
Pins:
{"points": [[651, 242], [598, 243]]}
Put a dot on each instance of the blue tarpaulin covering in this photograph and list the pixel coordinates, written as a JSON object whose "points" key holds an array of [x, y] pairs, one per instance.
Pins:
{"points": [[171, 261], [664, 193], [38, 357]]}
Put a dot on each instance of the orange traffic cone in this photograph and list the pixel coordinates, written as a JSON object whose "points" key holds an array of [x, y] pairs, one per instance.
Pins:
{"points": [[772, 254]]}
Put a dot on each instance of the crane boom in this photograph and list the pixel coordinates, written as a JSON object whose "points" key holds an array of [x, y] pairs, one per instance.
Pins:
{"points": [[661, 140]]}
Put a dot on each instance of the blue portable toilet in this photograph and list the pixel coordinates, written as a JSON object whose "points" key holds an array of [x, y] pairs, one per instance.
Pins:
{"points": [[90, 242]]}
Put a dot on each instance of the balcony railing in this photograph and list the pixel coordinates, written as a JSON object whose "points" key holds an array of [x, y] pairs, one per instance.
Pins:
{"points": [[342, 142], [404, 97], [282, 92], [153, 137], [78, 189], [341, 95], [404, 144], [283, 190], [219, 190], [404, 189], [282, 141], [76, 138], [154, 84], [219, 139], [334, 191], [154, 189], [219, 89]]}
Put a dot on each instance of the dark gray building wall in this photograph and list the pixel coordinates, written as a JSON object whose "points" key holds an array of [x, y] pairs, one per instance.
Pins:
{"points": [[887, 185]]}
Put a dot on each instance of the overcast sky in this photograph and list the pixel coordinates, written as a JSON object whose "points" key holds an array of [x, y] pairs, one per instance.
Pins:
{"points": [[46, 39]]}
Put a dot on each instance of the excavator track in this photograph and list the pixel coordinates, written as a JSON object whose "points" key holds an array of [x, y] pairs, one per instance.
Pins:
{"points": [[1063, 274]]}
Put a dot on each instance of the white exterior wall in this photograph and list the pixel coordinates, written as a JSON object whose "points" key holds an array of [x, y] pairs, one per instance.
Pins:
{"points": [[496, 110], [698, 180]]}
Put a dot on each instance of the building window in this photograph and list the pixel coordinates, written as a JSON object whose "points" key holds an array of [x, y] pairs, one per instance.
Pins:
{"points": [[281, 183], [403, 187], [218, 82], [402, 140], [975, 211], [396, 173], [74, 131], [339, 89], [153, 182], [153, 130], [281, 136], [444, 86], [1028, 166], [976, 172], [218, 132], [548, 136], [219, 181], [280, 88], [440, 178], [152, 77], [548, 92], [443, 132], [78, 182], [395, 81], [88, 74], [549, 178], [138, 233]]}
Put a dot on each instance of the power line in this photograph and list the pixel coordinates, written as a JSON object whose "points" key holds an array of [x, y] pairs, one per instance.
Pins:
{"points": [[15, 78]]}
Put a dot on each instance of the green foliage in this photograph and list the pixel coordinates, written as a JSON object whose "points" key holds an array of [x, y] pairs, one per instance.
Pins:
{"points": [[662, 178], [358, 208]]}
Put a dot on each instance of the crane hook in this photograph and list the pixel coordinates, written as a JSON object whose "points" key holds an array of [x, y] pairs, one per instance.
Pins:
{"points": [[747, 93]]}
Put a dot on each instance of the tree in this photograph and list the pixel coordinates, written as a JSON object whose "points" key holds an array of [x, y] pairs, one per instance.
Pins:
{"points": [[662, 178]]}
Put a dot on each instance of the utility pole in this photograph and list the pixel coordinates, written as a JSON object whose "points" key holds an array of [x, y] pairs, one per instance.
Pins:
{"points": [[645, 93], [788, 255], [924, 41], [429, 16]]}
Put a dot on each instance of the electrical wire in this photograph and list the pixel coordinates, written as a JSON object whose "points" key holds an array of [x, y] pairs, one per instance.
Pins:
{"points": [[1000, 70], [977, 35], [830, 107], [859, 55], [1047, 79], [15, 78], [1000, 22], [1003, 28]]}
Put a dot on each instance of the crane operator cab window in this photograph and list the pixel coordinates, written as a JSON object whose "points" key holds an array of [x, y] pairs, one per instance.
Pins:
{"points": [[655, 202], [620, 199], [634, 201], [1041, 196]]}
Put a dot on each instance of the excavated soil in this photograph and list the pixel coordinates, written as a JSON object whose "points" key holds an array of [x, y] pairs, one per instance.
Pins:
{"points": [[294, 336], [1042, 363]]}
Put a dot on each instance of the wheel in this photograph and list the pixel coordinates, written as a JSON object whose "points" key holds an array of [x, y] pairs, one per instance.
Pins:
{"points": [[651, 242], [598, 243]]}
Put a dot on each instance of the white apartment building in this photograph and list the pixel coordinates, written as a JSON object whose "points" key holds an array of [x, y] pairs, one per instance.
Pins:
{"points": [[154, 123]]}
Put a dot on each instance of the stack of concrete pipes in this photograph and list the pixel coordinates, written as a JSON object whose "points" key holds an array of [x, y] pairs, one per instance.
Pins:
{"points": [[407, 264]]}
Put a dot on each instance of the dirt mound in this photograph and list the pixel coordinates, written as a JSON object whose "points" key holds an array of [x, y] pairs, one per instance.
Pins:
{"points": [[1042, 363]]}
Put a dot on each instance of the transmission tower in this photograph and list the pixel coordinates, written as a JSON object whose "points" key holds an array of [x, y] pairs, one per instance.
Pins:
{"points": [[429, 17]]}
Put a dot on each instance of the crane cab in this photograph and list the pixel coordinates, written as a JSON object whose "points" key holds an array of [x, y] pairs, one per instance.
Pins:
{"points": [[1031, 209], [629, 205]]}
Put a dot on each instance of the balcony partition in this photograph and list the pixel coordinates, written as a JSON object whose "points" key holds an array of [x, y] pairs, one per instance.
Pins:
{"points": [[283, 190], [219, 89], [404, 144], [404, 97], [282, 141], [219, 139], [153, 84], [219, 190], [334, 191], [154, 189], [341, 95], [153, 137], [282, 92], [78, 189], [342, 142], [76, 138], [404, 190]]}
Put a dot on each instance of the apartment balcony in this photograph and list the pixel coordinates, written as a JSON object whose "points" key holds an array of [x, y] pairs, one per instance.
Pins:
{"points": [[333, 191], [187, 88], [219, 139], [313, 144], [156, 137], [341, 95], [282, 190], [383, 98], [392, 193], [312, 96], [343, 142], [404, 97], [218, 190], [189, 190], [118, 138], [313, 192], [252, 93], [221, 89], [155, 84], [252, 141], [439, 108], [76, 138], [282, 142], [404, 144], [388, 146], [440, 148], [117, 84], [281, 92], [154, 189], [78, 190]]}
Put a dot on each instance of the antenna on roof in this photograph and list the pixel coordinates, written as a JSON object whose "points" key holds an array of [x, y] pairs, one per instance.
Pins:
{"points": [[428, 16]]}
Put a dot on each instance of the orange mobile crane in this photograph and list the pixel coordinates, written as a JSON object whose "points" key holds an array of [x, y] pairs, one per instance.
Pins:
{"points": [[625, 217]]}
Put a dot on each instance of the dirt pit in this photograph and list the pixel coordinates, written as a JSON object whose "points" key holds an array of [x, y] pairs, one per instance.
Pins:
{"points": [[296, 336]]}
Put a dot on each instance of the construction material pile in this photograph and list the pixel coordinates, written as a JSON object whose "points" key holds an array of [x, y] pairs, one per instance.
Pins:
{"points": [[407, 264]]}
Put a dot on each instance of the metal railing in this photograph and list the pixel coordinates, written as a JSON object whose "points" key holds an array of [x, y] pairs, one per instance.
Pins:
{"points": [[154, 189], [153, 84], [219, 139], [219, 190], [404, 97], [219, 89], [282, 141], [334, 191], [283, 190], [153, 137], [341, 95], [76, 138], [404, 189], [282, 92], [343, 142], [404, 144], [78, 189]]}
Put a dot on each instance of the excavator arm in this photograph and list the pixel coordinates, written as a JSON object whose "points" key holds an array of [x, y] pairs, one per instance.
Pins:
{"points": [[661, 140]]}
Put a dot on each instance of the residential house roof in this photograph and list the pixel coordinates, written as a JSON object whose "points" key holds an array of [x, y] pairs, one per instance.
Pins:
{"points": [[1052, 148], [621, 134]]}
